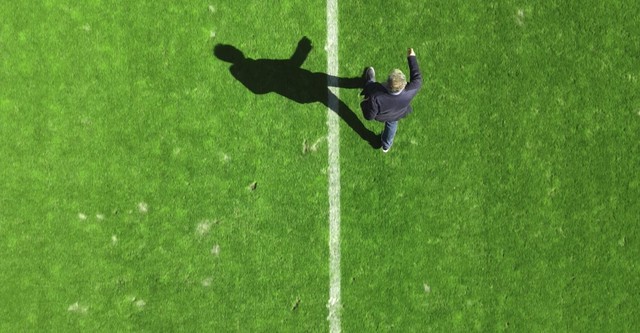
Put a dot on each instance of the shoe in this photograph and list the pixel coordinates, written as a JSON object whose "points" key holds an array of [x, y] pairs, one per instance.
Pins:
{"points": [[369, 75], [382, 146]]}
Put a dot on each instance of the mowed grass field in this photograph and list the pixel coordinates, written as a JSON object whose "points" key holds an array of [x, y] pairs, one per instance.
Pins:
{"points": [[144, 188]]}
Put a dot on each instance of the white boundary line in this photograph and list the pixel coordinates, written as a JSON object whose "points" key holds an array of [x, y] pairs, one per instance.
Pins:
{"points": [[333, 138]]}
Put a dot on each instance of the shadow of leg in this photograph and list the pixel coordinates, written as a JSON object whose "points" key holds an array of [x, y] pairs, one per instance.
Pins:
{"points": [[347, 115]]}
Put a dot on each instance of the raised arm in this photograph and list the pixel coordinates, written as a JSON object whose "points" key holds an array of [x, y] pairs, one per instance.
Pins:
{"points": [[415, 78]]}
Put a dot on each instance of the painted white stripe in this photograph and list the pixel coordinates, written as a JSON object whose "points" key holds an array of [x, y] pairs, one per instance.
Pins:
{"points": [[333, 138]]}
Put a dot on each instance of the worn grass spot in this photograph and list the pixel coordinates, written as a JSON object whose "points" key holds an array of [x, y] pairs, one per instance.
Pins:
{"points": [[519, 17], [203, 227], [78, 308], [215, 250], [225, 158], [143, 207], [138, 302]]}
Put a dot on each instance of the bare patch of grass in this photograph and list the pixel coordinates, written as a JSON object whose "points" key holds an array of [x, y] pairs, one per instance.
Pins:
{"points": [[215, 250], [140, 303], [204, 227], [520, 17], [225, 158], [207, 282], [78, 308], [143, 207]]}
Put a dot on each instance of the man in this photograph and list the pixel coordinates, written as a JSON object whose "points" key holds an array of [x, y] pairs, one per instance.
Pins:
{"points": [[390, 102]]}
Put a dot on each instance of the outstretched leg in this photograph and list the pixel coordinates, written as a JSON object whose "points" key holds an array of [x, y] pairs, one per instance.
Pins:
{"points": [[390, 128]]}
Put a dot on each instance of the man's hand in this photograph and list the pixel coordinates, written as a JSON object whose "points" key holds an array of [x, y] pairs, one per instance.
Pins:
{"points": [[410, 53]]}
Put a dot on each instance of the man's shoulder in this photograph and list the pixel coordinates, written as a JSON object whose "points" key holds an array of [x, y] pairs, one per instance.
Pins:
{"points": [[373, 89]]}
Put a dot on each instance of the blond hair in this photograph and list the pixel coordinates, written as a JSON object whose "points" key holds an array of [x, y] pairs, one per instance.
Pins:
{"points": [[396, 81]]}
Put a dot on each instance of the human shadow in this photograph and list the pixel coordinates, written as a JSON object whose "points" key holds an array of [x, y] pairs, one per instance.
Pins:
{"points": [[286, 78]]}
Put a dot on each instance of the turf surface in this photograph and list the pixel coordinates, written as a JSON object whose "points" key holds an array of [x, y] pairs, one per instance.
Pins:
{"points": [[128, 154]]}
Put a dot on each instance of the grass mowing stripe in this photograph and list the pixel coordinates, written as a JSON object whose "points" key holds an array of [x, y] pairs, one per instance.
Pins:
{"points": [[333, 139]]}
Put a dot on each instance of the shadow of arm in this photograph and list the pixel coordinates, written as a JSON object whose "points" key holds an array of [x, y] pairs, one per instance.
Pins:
{"points": [[301, 53]]}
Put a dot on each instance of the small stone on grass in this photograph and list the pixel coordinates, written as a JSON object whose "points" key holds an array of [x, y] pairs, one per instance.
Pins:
{"points": [[296, 304]]}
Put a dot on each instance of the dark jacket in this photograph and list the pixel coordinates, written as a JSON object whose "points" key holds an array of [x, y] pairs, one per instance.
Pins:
{"points": [[382, 106]]}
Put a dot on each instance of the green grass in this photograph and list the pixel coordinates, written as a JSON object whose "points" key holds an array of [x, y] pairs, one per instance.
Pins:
{"points": [[511, 191]]}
